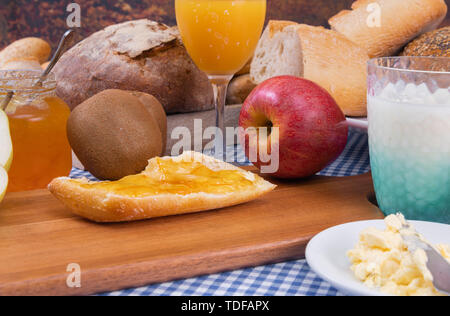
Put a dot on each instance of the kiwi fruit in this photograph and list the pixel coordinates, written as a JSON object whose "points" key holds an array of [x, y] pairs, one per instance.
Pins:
{"points": [[114, 134], [157, 110]]}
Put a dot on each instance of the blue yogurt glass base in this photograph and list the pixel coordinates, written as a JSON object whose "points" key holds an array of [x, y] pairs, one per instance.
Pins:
{"points": [[420, 190]]}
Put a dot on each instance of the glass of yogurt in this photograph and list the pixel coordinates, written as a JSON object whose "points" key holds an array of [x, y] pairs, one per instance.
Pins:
{"points": [[409, 135]]}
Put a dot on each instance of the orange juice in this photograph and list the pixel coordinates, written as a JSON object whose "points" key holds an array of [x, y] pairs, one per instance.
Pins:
{"points": [[41, 149], [220, 35]]}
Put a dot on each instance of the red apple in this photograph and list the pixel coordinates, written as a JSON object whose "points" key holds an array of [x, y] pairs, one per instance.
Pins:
{"points": [[311, 126]]}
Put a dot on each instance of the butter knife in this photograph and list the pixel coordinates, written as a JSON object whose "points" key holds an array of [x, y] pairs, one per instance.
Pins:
{"points": [[438, 266]]}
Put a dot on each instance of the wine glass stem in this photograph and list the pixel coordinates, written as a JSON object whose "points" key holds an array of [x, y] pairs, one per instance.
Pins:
{"points": [[220, 85]]}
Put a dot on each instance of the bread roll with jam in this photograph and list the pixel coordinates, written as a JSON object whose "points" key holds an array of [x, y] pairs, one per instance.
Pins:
{"points": [[191, 182]]}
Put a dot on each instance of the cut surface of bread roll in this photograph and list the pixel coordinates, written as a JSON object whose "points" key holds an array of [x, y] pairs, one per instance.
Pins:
{"points": [[188, 183], [278, 53], [383, 27], [317, 54]]}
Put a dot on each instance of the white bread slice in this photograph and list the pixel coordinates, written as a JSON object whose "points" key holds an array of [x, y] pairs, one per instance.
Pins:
{"points": [[400, 22], [317, 54], [102, 205]]}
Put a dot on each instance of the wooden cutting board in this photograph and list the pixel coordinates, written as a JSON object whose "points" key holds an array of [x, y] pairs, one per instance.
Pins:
{"points": [[39, 238]]}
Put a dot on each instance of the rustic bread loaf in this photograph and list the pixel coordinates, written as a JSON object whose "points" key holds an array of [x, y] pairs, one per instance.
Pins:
{"points": [[435, 43], [315, 53], [30, 47], [139, 55], [397, 22]]}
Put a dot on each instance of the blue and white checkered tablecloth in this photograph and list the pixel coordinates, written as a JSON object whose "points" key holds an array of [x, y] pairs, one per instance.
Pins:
{"points": [[288, 278]]}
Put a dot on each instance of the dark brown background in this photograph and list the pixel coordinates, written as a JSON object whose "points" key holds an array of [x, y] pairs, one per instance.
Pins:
{"points": [[47, 18]]}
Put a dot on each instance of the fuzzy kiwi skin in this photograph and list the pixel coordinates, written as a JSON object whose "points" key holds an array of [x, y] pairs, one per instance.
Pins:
{"points": [[114, 135], [157, 110]]}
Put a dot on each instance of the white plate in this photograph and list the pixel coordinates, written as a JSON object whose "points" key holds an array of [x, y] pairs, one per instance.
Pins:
{"points": [[359, 123], [326, 252]]}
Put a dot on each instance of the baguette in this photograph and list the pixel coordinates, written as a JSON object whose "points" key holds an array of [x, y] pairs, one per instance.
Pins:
{"points": [[315, 53], [26, 48], [99, 204], [400, 21]]}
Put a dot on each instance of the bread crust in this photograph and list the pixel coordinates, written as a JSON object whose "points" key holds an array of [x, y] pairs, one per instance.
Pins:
{"points": [[325, 57], [25, 48], [239, 89], [276, 26], [103, 206], [336, 64], [435, 43], [401, 21], [141, 55]]}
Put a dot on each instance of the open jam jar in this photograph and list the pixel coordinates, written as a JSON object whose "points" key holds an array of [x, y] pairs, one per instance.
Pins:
{"points": [[37, 119]]}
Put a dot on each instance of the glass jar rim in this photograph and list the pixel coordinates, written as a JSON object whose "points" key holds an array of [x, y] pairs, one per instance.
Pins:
{"points": [[380, 63], [23, 81]]}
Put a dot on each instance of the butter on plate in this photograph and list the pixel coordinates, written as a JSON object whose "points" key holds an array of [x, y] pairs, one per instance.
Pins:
{"points": [[381, 259]]}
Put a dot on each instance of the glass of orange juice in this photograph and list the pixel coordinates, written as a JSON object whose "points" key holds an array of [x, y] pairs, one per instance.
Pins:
{"points": [[220, 36], [37, 120]]}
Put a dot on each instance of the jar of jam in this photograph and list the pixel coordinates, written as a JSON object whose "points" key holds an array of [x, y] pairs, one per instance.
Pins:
{"points": [[37, 119]]}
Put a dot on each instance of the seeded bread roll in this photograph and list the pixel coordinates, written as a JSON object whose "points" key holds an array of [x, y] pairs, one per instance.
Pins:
{"points": [[383, 27], [435, 43]]}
